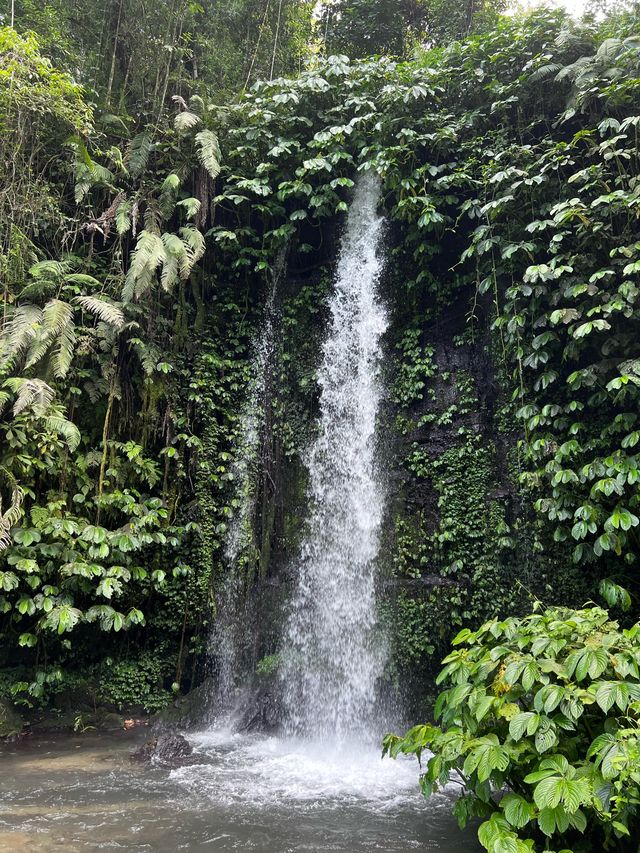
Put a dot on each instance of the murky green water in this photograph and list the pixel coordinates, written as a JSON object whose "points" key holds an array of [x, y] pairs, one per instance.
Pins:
{"points": [[251, 793]]}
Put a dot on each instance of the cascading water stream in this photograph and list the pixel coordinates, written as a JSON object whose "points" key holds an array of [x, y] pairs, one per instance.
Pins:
{"points": [[229, 634], [333, 655]]}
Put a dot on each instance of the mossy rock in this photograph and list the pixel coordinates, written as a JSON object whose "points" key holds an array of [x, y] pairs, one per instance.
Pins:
{"points": [[11, 723], [186, 711]]}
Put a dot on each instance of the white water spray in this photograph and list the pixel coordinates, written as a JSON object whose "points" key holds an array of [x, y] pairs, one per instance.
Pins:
{"points": [[333, 655]]}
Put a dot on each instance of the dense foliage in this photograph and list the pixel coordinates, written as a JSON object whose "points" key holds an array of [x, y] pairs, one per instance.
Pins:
{"points": [[539, 726], [147, 208]]}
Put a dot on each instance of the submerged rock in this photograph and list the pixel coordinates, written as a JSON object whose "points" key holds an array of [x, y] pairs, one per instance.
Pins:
{"points": [[169, 750], [11, 723]]}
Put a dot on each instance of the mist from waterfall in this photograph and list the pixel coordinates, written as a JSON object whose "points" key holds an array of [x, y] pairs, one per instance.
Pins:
{"points": [[333, 655]]}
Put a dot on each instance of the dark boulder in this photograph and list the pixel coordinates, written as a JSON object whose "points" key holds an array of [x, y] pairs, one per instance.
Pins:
{"points": [[168, 750], [263, 712]]}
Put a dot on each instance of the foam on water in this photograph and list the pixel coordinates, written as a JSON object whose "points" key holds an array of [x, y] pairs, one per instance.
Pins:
{"points": [[260, 771]]}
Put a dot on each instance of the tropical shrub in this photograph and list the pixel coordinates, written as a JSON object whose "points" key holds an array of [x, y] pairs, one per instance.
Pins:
{"points": [[539, 725]]}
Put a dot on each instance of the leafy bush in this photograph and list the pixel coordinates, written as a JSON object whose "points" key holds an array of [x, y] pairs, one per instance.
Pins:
{"points": [[539, 723], [135, 683]]}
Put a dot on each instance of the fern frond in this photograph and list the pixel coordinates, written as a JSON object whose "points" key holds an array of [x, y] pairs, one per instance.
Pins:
{"points": [[176, 260], [191, 206], [51, 270], [32, 394], [145, 260], [123, 217], [138, 153], [209, 154], [167, 200], [56, 316], [19, 333], [11, 516], [63, 351], [185, 121], [171, 183], [67, 429], [105, 311], [148, 354], [195, 244], [39, 347]]}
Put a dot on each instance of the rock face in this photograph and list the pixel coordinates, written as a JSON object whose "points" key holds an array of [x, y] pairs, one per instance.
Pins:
{"points": [[187, 711], [11, 723], [169, 750], [263, 711]]}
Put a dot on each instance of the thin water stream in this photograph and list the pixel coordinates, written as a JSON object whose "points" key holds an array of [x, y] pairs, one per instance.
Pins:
{"points": [[251, 793]]}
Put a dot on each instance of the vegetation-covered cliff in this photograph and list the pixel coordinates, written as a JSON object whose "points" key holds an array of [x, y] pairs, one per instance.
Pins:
{"points": [[162, 200]]}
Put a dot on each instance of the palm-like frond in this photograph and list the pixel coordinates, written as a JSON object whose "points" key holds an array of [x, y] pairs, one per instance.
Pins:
{"points": [[67, 429], [11, 515], [32, 394], [186, 120], [123, 217], [101, 308], [19, 333], [145, 260], [209, 153], [138, 153]]}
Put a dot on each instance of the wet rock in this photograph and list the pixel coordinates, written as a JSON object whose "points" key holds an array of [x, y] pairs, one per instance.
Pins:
{"points": [[110, 722], [186, 711], [11, 723], [54, 721], [264, 712], [168, 750]]}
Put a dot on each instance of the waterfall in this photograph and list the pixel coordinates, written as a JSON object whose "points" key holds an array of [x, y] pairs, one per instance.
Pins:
{"points": [[333, 656]]}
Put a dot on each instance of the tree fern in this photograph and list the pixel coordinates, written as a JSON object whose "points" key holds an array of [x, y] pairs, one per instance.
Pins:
{"points": [[105, 311], [145, 260], [67, 429], [10, 516], [56, 316], [58, 327], [186, 120], [209, 154], [167, 200], [52, 270], [62, 354], [176, 262], [191, 206], [33, 394], [123, 217], [138, 153], [194, 242], [19, 333]]}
